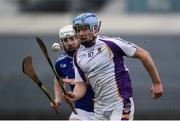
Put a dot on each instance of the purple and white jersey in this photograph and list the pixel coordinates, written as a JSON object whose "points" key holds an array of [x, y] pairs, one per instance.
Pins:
{"points": [[102, 66]]}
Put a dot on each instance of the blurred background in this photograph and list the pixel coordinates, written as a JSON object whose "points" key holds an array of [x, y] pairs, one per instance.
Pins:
{"points": [[151, 24]]}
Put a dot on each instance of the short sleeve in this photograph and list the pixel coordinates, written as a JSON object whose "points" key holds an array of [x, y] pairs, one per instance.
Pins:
{"points": [[127, 47]]}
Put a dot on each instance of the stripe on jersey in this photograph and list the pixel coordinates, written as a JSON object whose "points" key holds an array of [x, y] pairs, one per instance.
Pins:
{"points": [[110, 52], [79, 69], [118, 91], [114, 48], [121, 74]]}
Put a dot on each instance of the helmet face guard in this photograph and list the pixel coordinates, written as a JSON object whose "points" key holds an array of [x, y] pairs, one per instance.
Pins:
{"points": [[67, 34], [77, 28]]}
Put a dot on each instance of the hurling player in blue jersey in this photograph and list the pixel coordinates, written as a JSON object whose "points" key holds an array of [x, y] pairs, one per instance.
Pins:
{"points": [[99, 61], [64, 68]]}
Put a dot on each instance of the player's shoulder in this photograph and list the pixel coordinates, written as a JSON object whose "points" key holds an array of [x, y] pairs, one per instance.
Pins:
{"points": [[104, 37], [107, 38], [62, 58], [115, 40]]}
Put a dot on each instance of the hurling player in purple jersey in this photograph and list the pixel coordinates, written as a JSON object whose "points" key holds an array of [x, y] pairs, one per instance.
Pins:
{"points": [[99, 62]]}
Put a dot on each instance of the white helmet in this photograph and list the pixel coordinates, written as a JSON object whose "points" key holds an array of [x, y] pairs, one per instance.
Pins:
{"points": [[66, 31]]}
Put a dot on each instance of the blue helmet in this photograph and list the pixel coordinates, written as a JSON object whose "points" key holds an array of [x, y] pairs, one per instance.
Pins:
{"points": [[89, 19]]}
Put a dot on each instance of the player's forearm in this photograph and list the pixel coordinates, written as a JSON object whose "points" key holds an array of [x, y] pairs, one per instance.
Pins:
{"points": [[148, 63], [79, 90], [150, 67], [57, 90]]}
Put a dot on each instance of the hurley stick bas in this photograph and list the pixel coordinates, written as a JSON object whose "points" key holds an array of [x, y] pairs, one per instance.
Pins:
{"points": [[45, 51], [28, 69]]}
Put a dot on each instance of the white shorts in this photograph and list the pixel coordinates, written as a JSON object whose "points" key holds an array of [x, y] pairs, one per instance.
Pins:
{"points": [[82, 115], [123, 110]]}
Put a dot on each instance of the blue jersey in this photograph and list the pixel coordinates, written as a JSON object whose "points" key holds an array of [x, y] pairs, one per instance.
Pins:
{"points": [[64, 68]]}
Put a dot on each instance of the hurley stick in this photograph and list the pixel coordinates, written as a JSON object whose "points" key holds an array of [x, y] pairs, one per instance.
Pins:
{"points": [[44, 50], [28, 69]]}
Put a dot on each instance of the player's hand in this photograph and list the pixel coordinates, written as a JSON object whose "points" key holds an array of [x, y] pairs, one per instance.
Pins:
{"points": [[69, 97], [157, 90], [56, 105]]}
